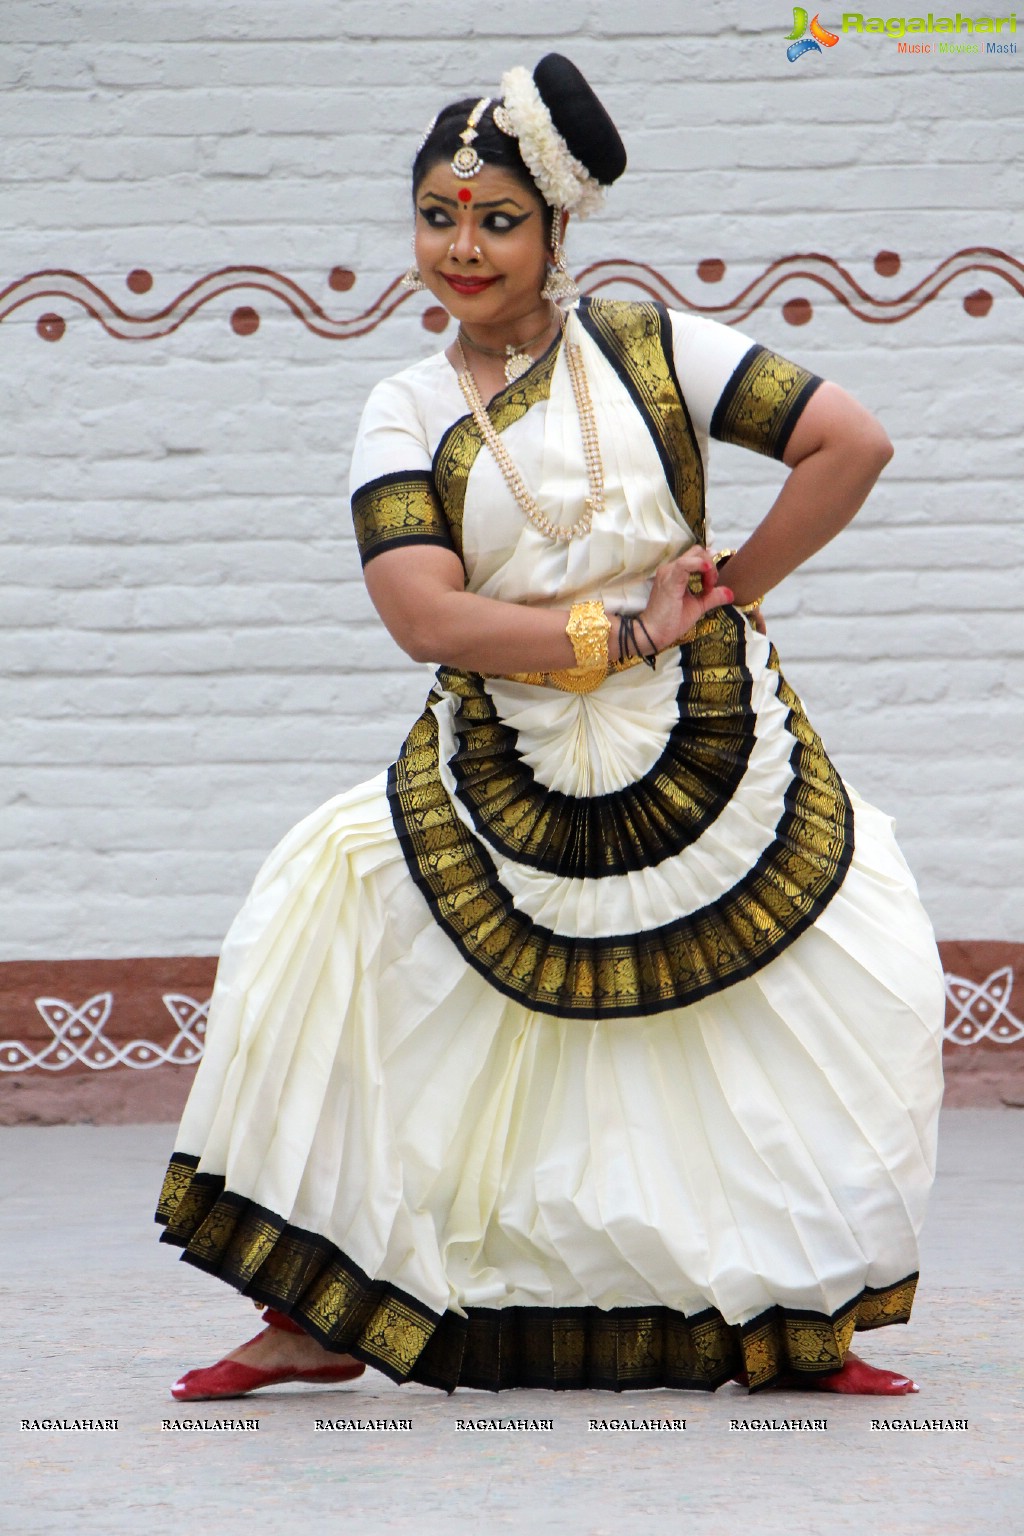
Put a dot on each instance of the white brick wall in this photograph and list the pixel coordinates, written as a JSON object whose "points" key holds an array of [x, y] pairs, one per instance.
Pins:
{"points": [[191, 660]]}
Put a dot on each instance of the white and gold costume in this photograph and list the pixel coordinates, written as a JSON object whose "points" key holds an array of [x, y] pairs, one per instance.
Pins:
{"points": [[596, 1043]]}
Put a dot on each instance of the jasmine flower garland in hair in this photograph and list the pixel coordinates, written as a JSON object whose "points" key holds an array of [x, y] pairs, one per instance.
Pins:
{"points": [[563, 181]]}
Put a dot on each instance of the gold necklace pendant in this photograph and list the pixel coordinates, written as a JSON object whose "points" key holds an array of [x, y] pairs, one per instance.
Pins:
{"points": [[516, 364], [515, 356]]}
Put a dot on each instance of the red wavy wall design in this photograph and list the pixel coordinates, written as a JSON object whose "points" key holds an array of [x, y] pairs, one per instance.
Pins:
{"points": [[799, 274]]}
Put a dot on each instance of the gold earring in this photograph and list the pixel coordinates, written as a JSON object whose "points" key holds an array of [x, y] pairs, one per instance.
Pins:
{"points": [[559, 285], [412, 280]]}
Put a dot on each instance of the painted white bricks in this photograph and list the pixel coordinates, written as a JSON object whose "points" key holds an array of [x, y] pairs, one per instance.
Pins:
{"points": [[191, 662]]}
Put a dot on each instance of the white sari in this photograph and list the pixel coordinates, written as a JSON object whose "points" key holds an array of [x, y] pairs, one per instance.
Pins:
{"points": [[596, 1043]]}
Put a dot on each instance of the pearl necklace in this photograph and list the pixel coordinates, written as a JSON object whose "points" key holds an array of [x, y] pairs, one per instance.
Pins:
{"points": [[594, 502]]}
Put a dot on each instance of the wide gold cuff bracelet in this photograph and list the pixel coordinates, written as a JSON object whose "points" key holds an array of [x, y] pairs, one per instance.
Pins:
{"points": [[588, 629], [590, 640]]}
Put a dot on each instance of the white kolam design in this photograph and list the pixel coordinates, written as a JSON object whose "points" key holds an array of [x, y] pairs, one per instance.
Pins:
{"points": [[78, 1037], [982, 1009]]}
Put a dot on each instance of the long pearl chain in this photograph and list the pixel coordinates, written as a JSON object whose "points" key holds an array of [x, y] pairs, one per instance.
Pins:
{"points": [[594, 502]]}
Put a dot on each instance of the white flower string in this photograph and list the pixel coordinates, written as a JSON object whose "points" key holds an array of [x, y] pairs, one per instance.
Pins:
{"points": [[563, 181]]}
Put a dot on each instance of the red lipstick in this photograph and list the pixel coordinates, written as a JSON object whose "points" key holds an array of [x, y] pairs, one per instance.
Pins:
{"points": [[467, 286]]}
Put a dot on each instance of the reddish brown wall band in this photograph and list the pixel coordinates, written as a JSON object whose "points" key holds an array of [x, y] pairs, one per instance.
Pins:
{"points": [[117, 1040], [789, 277]]}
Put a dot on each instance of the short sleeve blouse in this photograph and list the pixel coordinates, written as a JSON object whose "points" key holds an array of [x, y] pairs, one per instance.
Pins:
{"points": [[732, 389]]}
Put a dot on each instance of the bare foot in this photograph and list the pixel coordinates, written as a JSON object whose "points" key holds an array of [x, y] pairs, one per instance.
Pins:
{"points": [[276, 1355], [277, 1349], [856, 1378], [859, 1379]]}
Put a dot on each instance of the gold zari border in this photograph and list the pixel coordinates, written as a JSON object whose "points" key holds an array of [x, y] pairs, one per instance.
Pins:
{"points": [[397, 510], [296, 1271], [457, 451], [636, 973], [563, 1349], [762, 402], [637, 340], [701, 766]]}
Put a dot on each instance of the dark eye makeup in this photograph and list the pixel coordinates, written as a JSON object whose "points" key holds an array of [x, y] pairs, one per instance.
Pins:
{"points": [[501, 223], [495, 222], [437, 218]]}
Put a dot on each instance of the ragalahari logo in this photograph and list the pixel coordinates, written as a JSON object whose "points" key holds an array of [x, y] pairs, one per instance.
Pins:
{"points": [[799, 44]]}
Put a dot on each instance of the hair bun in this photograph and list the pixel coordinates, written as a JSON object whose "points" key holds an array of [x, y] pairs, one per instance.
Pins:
{"points": [[577, 114]]}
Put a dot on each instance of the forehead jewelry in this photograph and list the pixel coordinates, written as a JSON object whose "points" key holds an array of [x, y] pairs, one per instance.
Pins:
{"points": [[428, 130], [465, 161], [503, 120]]}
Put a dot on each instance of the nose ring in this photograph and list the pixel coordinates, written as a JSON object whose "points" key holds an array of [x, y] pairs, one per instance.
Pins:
{"points": [[477, 252]]}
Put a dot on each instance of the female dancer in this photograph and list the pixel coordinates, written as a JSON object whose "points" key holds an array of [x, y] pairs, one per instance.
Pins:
{"points": [[596, 1043]]}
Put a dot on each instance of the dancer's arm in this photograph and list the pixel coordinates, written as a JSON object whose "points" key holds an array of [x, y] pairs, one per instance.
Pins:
{"points": [[419, 593], [835, 454]]}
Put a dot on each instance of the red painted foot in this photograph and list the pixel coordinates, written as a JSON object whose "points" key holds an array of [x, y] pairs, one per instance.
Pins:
{"points": [[280, 1320], [856, 1378], [232, 1378], [860, 1379]]}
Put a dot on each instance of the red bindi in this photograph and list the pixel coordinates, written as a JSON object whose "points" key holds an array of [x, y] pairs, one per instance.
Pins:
{"points": [[465, 195]]}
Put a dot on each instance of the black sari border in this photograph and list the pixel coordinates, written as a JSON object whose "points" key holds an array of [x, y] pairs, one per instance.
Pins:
{"points": [[397, 510], [636, 338], [305, 1276], [651, 819], [762, 402], [640, 973]]}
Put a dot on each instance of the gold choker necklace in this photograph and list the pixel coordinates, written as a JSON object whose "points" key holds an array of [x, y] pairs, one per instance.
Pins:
{"points": [[517, 359]]}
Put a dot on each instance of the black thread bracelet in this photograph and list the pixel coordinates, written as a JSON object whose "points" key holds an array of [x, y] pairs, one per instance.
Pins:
{"points": [[651, 660], [625, 636], [628, 642]]}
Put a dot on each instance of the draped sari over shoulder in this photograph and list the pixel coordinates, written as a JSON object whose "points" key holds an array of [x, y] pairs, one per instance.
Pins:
{"points": [[596, 1042]]}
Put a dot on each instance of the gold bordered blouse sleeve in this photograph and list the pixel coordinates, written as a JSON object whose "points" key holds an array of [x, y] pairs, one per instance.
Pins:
{"points": [[394, 498], [398, 509], [762, 402], [736, 390]]}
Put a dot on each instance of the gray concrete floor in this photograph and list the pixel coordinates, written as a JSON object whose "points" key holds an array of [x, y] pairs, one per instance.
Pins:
{"points": [[99, 1319]]}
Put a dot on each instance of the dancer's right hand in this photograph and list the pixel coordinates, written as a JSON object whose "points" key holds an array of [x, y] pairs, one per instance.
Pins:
{"points": [[672, 609]]}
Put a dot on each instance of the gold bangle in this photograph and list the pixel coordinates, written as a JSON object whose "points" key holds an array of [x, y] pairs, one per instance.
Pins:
{"points": [[720, 559], [588, 629]]}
